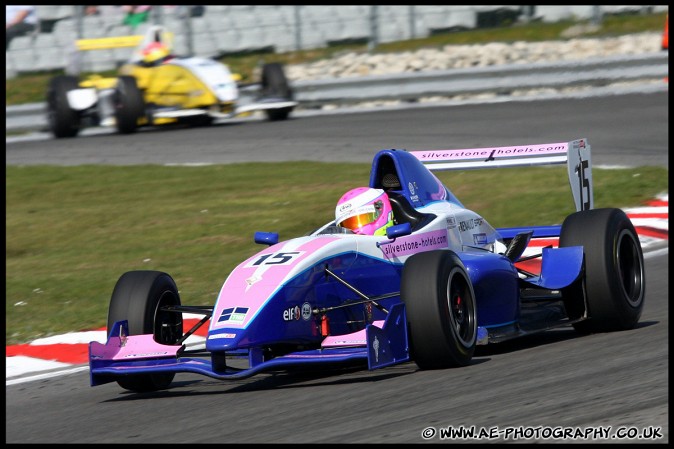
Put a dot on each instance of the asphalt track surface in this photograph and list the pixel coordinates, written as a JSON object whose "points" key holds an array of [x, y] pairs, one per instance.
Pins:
{"points": [[598, 385], [622, 129]]}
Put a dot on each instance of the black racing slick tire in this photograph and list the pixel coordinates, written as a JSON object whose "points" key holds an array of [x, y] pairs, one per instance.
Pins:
{"points": [[613, 285], [63, 120], [441, 310], [275, 85], [138, 298], [129, 104]]}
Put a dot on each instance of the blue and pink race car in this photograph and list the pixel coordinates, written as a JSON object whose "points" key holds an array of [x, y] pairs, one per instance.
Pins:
{"points": [[439, 282]]}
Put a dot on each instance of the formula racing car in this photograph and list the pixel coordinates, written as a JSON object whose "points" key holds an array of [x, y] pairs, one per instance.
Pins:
{"points": [[155, 87], [440, 281]]}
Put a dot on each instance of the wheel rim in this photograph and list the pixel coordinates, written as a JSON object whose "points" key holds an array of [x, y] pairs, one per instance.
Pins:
{"points": [[461, 308], [630, 268], [167, 325]]}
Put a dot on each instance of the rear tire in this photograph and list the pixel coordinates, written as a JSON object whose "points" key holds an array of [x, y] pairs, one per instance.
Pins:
{"points": [[613, 284], [137, 298], [129, 104], [275, 85], [63, 120], [441, 310]]}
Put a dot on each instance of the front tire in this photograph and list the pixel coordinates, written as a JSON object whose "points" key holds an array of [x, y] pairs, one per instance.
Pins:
{"points": [[441, 309], [138, 298], [613, 285], [63, 120], [129, 104]]}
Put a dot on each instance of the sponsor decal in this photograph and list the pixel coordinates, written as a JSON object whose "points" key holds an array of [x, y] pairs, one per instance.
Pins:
{"points": [[471, 223], [233, 314], [306, 311], [480, 239], [451, 222], [146, 354], [292, 314], [413, 197], [343, 208], [416, 243], [219, 336], [368, 312], [491, 153], [347, 342]]}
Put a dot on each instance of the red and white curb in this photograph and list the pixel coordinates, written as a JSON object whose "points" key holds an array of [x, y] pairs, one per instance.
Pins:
{"points": [[55, 355], [651, 223], [68, 350]]}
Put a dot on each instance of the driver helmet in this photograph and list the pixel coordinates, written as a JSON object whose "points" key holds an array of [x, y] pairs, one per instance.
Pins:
{"points": [[364, 211], [155, 51]]}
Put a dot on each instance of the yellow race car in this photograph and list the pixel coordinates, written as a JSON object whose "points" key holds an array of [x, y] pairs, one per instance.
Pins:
{"points": [[155, 87]]}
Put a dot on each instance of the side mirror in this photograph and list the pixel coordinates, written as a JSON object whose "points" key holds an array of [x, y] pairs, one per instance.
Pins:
{"points": [[400, 230], [266, 238], [396, 231]]}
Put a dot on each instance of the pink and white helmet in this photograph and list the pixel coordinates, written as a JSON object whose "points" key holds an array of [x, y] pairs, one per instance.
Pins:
{"points": [[365, 211]]}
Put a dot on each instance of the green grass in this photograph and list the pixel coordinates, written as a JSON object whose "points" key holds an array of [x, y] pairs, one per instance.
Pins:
{"points": [[31, 88], [72, 231]]}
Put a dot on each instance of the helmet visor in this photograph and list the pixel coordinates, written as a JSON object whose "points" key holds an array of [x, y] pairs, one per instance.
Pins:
{"points": [[359, 220]]}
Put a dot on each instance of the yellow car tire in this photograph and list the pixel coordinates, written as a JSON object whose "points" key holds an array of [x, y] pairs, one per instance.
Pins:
{"points": [[129, 104]]}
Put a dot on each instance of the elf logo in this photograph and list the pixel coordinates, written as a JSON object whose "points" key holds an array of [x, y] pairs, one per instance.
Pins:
{"points": [[295, 313], [292, 314]]}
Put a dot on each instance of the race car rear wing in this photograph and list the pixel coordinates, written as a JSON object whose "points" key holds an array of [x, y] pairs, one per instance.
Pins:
{"points": [[154, 33], [106, 43], [576, 154]]}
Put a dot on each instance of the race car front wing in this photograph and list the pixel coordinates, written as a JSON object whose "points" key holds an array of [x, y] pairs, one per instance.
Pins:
{"points": [[124, 355]]}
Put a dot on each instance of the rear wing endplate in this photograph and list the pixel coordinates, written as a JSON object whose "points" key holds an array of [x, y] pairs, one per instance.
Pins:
{"points": [[576, 154]]}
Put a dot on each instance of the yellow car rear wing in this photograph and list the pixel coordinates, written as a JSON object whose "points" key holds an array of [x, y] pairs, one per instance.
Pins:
{"points": [[154, 33], [106, 43]]}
